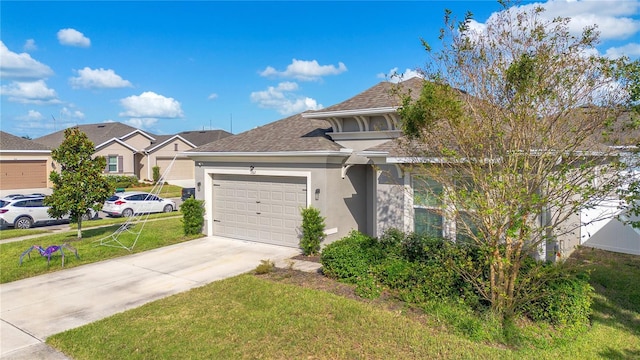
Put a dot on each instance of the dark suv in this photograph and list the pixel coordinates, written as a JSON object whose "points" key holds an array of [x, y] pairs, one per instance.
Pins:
{"points": [[188, 193]]}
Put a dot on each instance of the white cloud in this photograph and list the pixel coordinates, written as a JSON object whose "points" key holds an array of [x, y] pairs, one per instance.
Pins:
{"points": [[612, 17], [67, 113], [632, 50], [73, 37], [213, 96], [150, 105], [142, 123], [305, 70], [33, 92], [394, 76], [32, 115], [21, 66], [98, 79], [30, 45], [283, 99]]}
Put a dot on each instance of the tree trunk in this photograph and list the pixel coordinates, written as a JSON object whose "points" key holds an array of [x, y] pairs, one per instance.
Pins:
{"points": [[80, 228]]}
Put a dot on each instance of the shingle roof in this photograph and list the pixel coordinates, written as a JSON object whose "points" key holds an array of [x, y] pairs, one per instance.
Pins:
{"points": [[290, 134], [97, 133], [12, 142], [296, 133], [379, 96], [198, 138]]}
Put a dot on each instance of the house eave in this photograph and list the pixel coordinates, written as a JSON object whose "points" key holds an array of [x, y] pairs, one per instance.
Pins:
{"points": [[268, 154], [26, 151], [348, 113]]}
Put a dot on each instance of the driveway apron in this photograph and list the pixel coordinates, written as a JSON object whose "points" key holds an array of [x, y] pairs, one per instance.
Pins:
{"points": [[35, 308]]}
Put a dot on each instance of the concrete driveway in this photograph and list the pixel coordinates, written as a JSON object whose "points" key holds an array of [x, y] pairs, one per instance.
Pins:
{"points": [[38, 307]]}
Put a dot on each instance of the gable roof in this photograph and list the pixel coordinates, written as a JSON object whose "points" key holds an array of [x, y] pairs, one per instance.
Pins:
{"points": [[378, 96], [202, 137], [192, 138], [9, 142], [294, 133], [98, 134]]}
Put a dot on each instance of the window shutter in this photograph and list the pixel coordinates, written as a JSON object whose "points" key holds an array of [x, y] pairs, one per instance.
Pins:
{"points": [[106, 168], [120, 170]]}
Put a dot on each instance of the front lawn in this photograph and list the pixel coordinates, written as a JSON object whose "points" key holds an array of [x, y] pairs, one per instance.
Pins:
{"points": [[273, 317], [13, 233], [119, 220], [154, 235], [167, 191]]}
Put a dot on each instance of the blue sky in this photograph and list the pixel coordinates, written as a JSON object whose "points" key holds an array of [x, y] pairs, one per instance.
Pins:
{"points": [[167, 67]]}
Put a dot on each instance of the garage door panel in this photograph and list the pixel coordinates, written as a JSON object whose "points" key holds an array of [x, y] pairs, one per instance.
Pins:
{"points": [[270, 206], [23, 174]]}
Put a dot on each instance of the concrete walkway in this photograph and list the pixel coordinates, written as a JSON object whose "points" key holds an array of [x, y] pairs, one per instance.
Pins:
{"points": [[35, 308]]}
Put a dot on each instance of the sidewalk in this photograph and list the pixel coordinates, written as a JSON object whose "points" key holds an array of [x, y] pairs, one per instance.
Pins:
{"points": [[35, 308]]}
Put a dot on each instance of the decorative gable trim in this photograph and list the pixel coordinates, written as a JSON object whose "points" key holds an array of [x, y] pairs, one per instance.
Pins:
{"points": [[175, 137], [104, 144]]}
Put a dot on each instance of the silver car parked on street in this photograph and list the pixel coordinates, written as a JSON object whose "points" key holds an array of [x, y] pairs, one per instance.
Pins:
{"points": [[129, 203]]}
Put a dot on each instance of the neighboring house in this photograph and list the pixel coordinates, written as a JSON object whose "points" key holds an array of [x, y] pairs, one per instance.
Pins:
{"points": [[134, 152], [341, 160], [24, 164]]}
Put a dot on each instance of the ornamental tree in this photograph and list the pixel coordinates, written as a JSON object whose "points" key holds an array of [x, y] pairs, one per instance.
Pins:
{"points": [[515, 124], [79, 185]]}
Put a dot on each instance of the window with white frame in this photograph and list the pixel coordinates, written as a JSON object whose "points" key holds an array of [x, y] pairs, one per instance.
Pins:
{"points": [[112, 163], [427, 206]]}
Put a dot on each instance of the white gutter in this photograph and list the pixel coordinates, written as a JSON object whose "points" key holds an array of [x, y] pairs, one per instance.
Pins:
{"points": [[266, 154], [338, 113], [26, 151]]}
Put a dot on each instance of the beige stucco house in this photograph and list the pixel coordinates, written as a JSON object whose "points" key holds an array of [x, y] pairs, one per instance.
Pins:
{"points": [[24, 164], [134, 152]]}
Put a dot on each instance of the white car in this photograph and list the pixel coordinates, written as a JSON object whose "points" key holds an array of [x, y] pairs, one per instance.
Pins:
{"points": [[129, 203], [23, 212]]}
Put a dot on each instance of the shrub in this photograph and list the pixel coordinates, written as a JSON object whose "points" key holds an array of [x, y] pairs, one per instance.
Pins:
{"points": [[122, 181], [349, 258], [564, 301], [156, 174], [312, 230], [367, 287], [265, 267], [192, 216]]}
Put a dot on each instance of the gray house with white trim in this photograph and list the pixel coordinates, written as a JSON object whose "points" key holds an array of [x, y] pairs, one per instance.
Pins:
{"points": [[342, 160], [255, 183]]}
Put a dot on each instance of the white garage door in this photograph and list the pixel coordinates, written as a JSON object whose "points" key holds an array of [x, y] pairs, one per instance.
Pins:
{"points": [[182, 169], [259, 208]]}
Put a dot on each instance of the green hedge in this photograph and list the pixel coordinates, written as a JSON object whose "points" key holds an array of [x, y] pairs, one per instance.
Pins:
{"points": [[419, 269], [122, 181], [565, 301]]}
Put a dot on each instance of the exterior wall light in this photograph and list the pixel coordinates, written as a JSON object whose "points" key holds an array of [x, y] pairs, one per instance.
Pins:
{"points": [[317, 194], [199, 185]]}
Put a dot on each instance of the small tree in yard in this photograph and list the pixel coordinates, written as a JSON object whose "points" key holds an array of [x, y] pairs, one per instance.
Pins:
{"points": [[156, 174], [518, 118], [312, 230], [192, 216], [80, 184]]}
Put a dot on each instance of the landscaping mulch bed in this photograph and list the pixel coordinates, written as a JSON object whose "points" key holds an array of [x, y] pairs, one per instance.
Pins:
{"points": [[312, 258]]}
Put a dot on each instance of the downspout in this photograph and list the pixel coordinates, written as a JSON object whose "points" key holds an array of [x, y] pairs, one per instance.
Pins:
{"points": [[146, 155]]}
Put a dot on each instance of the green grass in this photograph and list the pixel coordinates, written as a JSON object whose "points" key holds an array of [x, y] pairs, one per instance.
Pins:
{"points": [[167, 191], [156, 234], [249, 317], [14, 233], [120, 220]]}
